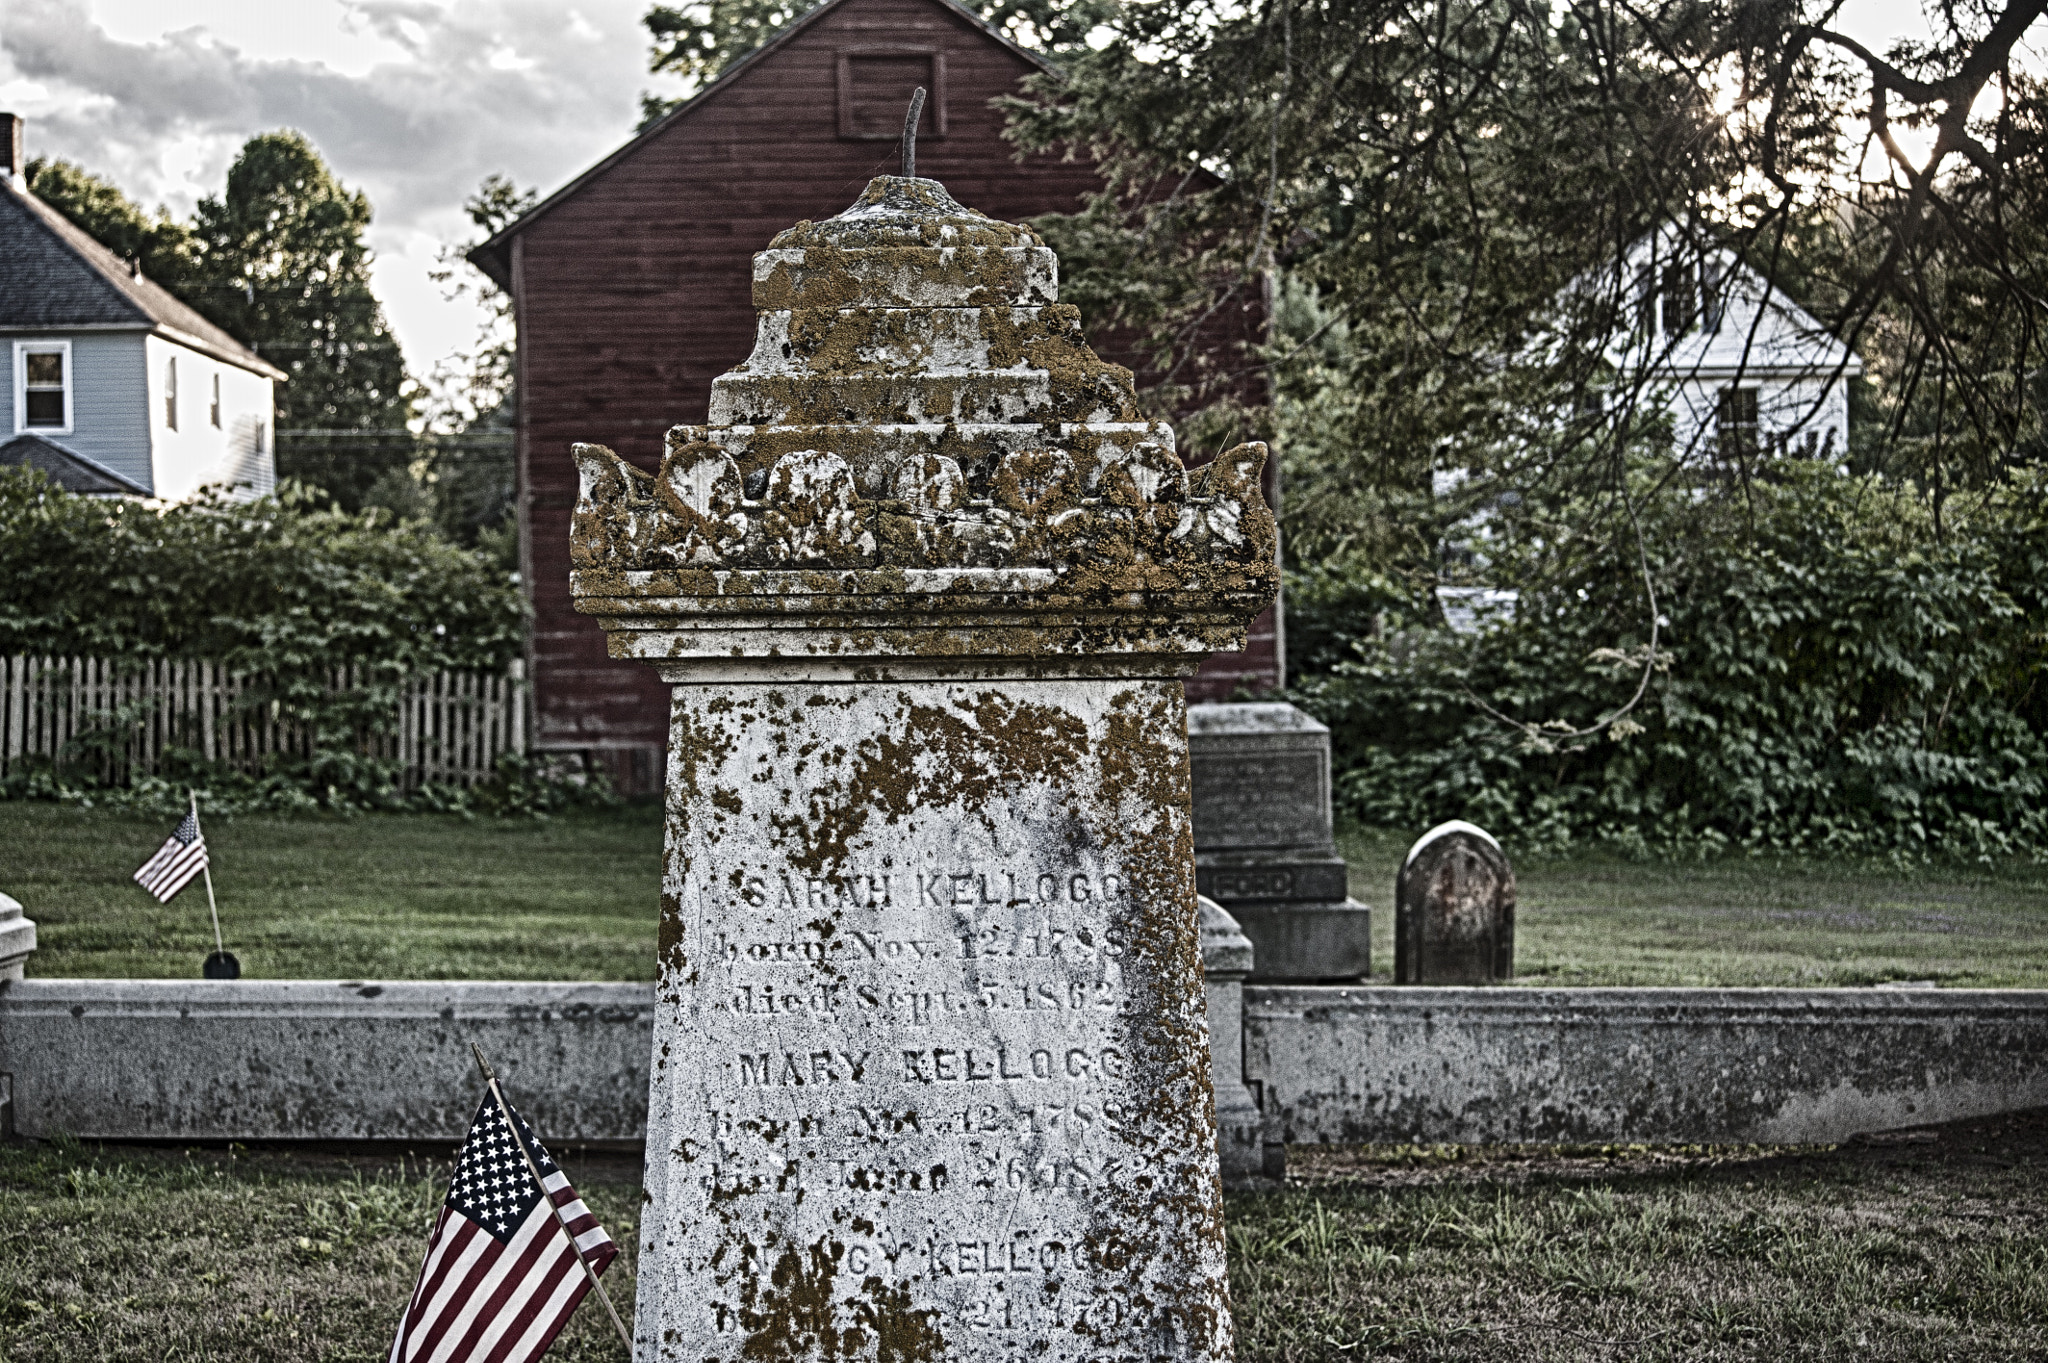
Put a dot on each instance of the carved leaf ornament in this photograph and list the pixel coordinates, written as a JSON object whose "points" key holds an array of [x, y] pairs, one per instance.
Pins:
{"points": [[930, 305]]}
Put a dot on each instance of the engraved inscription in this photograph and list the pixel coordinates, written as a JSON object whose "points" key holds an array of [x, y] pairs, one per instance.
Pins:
{"points": [[1277, 800]]}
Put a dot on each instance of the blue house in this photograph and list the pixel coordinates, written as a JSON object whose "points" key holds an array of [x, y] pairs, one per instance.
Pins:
{"points": [[115, 387]]}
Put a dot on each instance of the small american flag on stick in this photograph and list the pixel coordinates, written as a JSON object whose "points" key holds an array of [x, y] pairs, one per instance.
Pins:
{"points": [[182, 857], [505, 1266]]}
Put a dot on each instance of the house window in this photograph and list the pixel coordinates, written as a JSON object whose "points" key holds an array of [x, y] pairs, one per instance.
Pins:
{"points": [[42, 386], [171, 392], [1711, 308], [875, 85], [1677, 299], [1736, 428], [216, 402]]}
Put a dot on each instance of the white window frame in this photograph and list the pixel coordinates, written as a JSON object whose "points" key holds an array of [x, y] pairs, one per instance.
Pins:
{"points": [[171, 392], [22, 350], [214, 412]]}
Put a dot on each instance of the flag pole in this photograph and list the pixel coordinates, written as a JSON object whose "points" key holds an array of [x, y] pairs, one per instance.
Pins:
{"points": [[505, 1109], [206, 871]]}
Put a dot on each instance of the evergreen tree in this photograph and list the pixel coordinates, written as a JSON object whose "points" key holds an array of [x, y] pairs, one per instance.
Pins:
{"points": [[285, 268]]}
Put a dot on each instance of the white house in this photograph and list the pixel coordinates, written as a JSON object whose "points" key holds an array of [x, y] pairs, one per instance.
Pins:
{"points": [[114, 385], [1742, 368]]}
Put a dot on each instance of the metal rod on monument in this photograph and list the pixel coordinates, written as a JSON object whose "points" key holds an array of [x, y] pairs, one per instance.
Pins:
{"points": [[505, 1111], [910, 134]]}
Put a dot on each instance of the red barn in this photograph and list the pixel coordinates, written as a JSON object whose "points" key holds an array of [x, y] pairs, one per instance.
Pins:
{"points": [[632, 289]]}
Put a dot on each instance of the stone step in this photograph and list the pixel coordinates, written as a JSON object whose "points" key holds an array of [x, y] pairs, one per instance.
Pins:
{"points": [[1086, 394], [905, 276], [900, 340]]}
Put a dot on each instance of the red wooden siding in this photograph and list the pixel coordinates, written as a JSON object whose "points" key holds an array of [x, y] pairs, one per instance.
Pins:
{"points": [[633, 292]]}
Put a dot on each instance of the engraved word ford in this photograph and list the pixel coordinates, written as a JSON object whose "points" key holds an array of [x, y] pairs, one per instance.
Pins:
{"points": [[931, 1077]]}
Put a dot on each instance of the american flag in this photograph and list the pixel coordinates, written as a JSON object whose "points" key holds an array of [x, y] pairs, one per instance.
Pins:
{"points": [[182, 857], [500, 1278]]}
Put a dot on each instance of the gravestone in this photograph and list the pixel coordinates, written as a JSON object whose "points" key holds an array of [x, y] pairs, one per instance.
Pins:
{"points": [[930, 1073], [1264, 844], [1240, 1127], [17, 938], [1454, 909]]}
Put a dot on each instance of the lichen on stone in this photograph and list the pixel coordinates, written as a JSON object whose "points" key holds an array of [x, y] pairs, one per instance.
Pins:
{"points": [[917, 398]]}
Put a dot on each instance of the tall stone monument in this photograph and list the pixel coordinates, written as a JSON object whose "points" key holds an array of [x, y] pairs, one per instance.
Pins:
{"points": [[930, 1074], [1454, 909], [1265, 844]]}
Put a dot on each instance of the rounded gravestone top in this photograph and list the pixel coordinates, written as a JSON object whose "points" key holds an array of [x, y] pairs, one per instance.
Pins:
{"points": [[1454, 909], [1225, 948], [1444, 830]]}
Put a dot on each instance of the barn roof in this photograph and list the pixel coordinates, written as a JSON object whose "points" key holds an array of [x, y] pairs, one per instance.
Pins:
{"points": [[59, 278], [66, 467], [494, 257]]}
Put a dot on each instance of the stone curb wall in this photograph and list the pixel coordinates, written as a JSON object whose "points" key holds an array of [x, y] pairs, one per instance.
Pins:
{"points": [[323, 1060], [320, 1060], [1342, 1065]]}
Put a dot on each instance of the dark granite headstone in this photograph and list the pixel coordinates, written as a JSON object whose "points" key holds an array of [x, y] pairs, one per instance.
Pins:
{"points": [[1454, 909], [1264, 847]]}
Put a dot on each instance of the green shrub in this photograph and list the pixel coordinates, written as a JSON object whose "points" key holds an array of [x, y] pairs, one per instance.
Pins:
{"points": [[1832, 676], [283, 589]]}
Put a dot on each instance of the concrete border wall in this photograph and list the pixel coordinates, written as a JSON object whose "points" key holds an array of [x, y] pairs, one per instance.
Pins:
{"points": [[323, 1060], [318, 1059], [1346, 1065]]}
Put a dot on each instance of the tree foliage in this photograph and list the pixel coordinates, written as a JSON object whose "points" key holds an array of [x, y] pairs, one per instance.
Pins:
{"points": [[1829, 677], [1445, 194], [284, 267], [472, 409], [165, 248], [1429, 175], [286, 590]]}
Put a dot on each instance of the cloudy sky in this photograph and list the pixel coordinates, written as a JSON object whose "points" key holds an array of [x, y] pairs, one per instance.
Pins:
{"points": [[412, 101]]}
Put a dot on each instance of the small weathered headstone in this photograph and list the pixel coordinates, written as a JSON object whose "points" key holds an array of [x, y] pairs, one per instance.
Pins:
{"points": [[1454, 909], [1226, 961], [17, 938], [1265, 847], [930, 1078]]}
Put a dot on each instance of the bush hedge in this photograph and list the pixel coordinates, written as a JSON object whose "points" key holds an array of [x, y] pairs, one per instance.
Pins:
{"points": [[1835, 672], [285, 589]]}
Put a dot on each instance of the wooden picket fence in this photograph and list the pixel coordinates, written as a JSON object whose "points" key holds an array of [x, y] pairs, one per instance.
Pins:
{"points": [[112, 718]]}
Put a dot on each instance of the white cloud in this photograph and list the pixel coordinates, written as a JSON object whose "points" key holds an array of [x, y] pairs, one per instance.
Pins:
{"points": [[412, 101]]}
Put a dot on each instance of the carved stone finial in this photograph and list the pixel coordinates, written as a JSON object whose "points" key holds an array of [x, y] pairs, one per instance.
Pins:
{"points": [[918, 401]]}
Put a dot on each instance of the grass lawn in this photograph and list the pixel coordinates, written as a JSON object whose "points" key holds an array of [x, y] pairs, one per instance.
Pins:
{"points": [[1597, 919], [378, 897], [1931, 1246], [425, 897]]}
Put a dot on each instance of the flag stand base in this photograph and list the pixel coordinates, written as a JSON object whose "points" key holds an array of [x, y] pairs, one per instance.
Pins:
{"points": [[222, 965]]}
